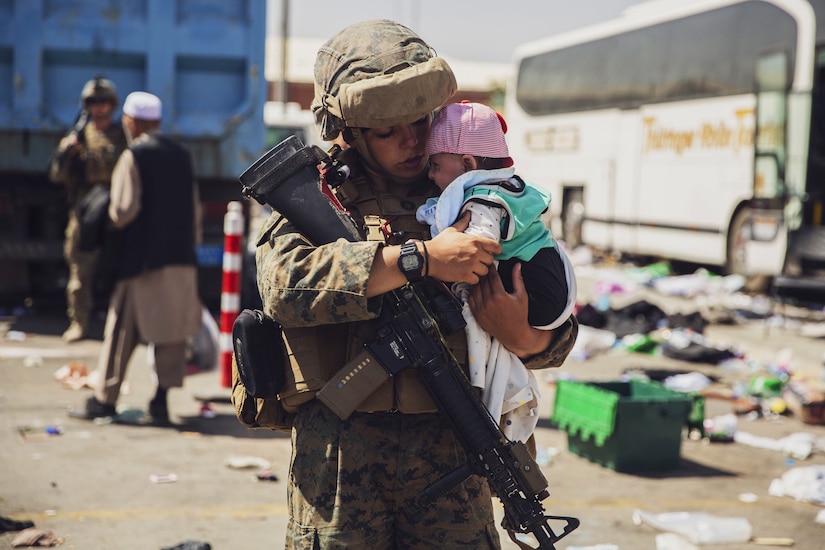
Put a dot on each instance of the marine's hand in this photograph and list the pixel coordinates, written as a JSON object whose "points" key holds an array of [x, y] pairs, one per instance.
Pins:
{"points": [[456, 257], [68, 144], [504, 315]]}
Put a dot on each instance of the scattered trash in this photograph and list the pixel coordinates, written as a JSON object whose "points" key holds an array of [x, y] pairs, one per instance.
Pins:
{"points": [[38, 433], [189, 545], [773, 541], [266, 476], [16, 336], [205, 346], [35, 537], [805, 484], [544, 455], [698, 527], [721, 429], [748, 497], [207, 411], [73, 375], [595, 547], [687, 382], [163, 478], [765, 386], [33, 361], [820, 517], [805, 402], [672, 541], [798, 446], [688, 345], [640, 343], [8, 524], [650, 272], [591, 341], [247, 462]]}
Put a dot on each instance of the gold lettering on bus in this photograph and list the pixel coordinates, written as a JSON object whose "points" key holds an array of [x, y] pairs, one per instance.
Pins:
{"points": [[716, 136], [666, 138], [708, 135], [744, 133]]}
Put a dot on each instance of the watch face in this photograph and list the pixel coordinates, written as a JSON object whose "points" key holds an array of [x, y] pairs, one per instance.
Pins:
{"points": [[410, 261]]}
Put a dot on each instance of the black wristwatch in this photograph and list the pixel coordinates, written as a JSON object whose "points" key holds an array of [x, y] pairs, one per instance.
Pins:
{"points": [[410, 261]]}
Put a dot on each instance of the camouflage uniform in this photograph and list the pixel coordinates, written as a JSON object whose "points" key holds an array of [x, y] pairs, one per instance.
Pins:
{"points": [[97, 156], [357, 483]]}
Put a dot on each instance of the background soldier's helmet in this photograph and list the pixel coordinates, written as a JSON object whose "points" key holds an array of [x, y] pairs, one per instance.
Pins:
{"points": [[99, 87]]}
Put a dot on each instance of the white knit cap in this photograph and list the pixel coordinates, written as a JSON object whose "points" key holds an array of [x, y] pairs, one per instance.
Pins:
{"points": [[143, 106]]}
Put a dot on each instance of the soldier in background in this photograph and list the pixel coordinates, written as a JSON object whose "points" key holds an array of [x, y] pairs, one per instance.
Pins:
{"points": [[155, 207], [85, 158]]}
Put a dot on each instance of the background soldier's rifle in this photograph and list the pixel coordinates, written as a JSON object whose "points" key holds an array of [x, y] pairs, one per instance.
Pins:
{"points": [[414, 320], [70, 159]]}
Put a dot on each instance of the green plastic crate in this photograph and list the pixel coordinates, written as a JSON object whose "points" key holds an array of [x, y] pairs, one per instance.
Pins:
{"points": [[625, 426]]}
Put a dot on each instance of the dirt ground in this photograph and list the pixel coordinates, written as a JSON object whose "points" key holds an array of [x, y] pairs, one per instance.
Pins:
{"points": [[90, 484]]}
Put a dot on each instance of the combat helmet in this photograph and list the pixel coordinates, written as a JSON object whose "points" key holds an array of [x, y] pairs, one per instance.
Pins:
{"points": [[99, 87], [375, 74]]}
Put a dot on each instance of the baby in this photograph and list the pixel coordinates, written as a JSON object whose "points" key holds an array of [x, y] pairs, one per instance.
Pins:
{"points": [[471, 164]]}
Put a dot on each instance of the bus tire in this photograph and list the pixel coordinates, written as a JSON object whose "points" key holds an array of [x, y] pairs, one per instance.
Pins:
{"points": [[736, 261], [572, 217], [738, 237]]}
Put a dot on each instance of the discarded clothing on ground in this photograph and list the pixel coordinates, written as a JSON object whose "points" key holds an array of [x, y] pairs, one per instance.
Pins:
{"points": [[189, 545], [639, 317], [8, 524], [34, 537], [695, 352]]}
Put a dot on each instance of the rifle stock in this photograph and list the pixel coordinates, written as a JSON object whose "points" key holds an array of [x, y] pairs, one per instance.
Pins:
{"points": [[426, 310]]}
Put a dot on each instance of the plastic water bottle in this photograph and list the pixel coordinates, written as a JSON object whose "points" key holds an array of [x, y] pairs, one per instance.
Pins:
{"points": [[672, 541], [698, 527]]}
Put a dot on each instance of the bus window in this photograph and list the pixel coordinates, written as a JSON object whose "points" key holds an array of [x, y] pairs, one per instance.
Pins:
{"points": [[691, 123], [771, 102]]}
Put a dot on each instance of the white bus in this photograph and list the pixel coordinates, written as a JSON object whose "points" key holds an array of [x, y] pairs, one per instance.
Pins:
{"points": [[687, 129]]}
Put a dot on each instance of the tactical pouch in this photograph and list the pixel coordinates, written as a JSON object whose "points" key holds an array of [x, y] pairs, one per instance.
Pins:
{"points": [[258, 374], [259, 353], [253, 412], [352, 384]]}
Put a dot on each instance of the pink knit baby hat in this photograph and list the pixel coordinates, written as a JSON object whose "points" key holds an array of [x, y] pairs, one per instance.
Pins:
{"points": [[469, 129]]}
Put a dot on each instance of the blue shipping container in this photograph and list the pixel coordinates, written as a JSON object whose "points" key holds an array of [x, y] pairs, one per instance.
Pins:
{"points": [[203, 58]]}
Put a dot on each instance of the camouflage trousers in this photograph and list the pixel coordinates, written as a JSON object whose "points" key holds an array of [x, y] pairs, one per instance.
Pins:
{"points": [[80, 286], [357, 483]]}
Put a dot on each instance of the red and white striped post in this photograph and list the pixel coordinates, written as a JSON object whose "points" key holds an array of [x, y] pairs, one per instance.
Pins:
{"points": [[231, 285]]}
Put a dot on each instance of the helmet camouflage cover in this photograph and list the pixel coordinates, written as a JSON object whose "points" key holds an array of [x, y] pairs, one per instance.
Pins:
{"points": [[375, 74], [99, 87]]}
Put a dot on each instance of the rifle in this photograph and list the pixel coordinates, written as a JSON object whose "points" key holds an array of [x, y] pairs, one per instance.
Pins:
{"points": [[70, 160], [413, 323], [80, 123]]}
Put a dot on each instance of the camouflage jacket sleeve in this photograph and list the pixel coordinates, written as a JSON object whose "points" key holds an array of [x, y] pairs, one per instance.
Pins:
{"points": [[304, 285], [59, 167], [559, 348]]}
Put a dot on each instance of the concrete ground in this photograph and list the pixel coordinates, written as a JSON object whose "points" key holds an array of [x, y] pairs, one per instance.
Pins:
{"points": [[91, 484]]}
